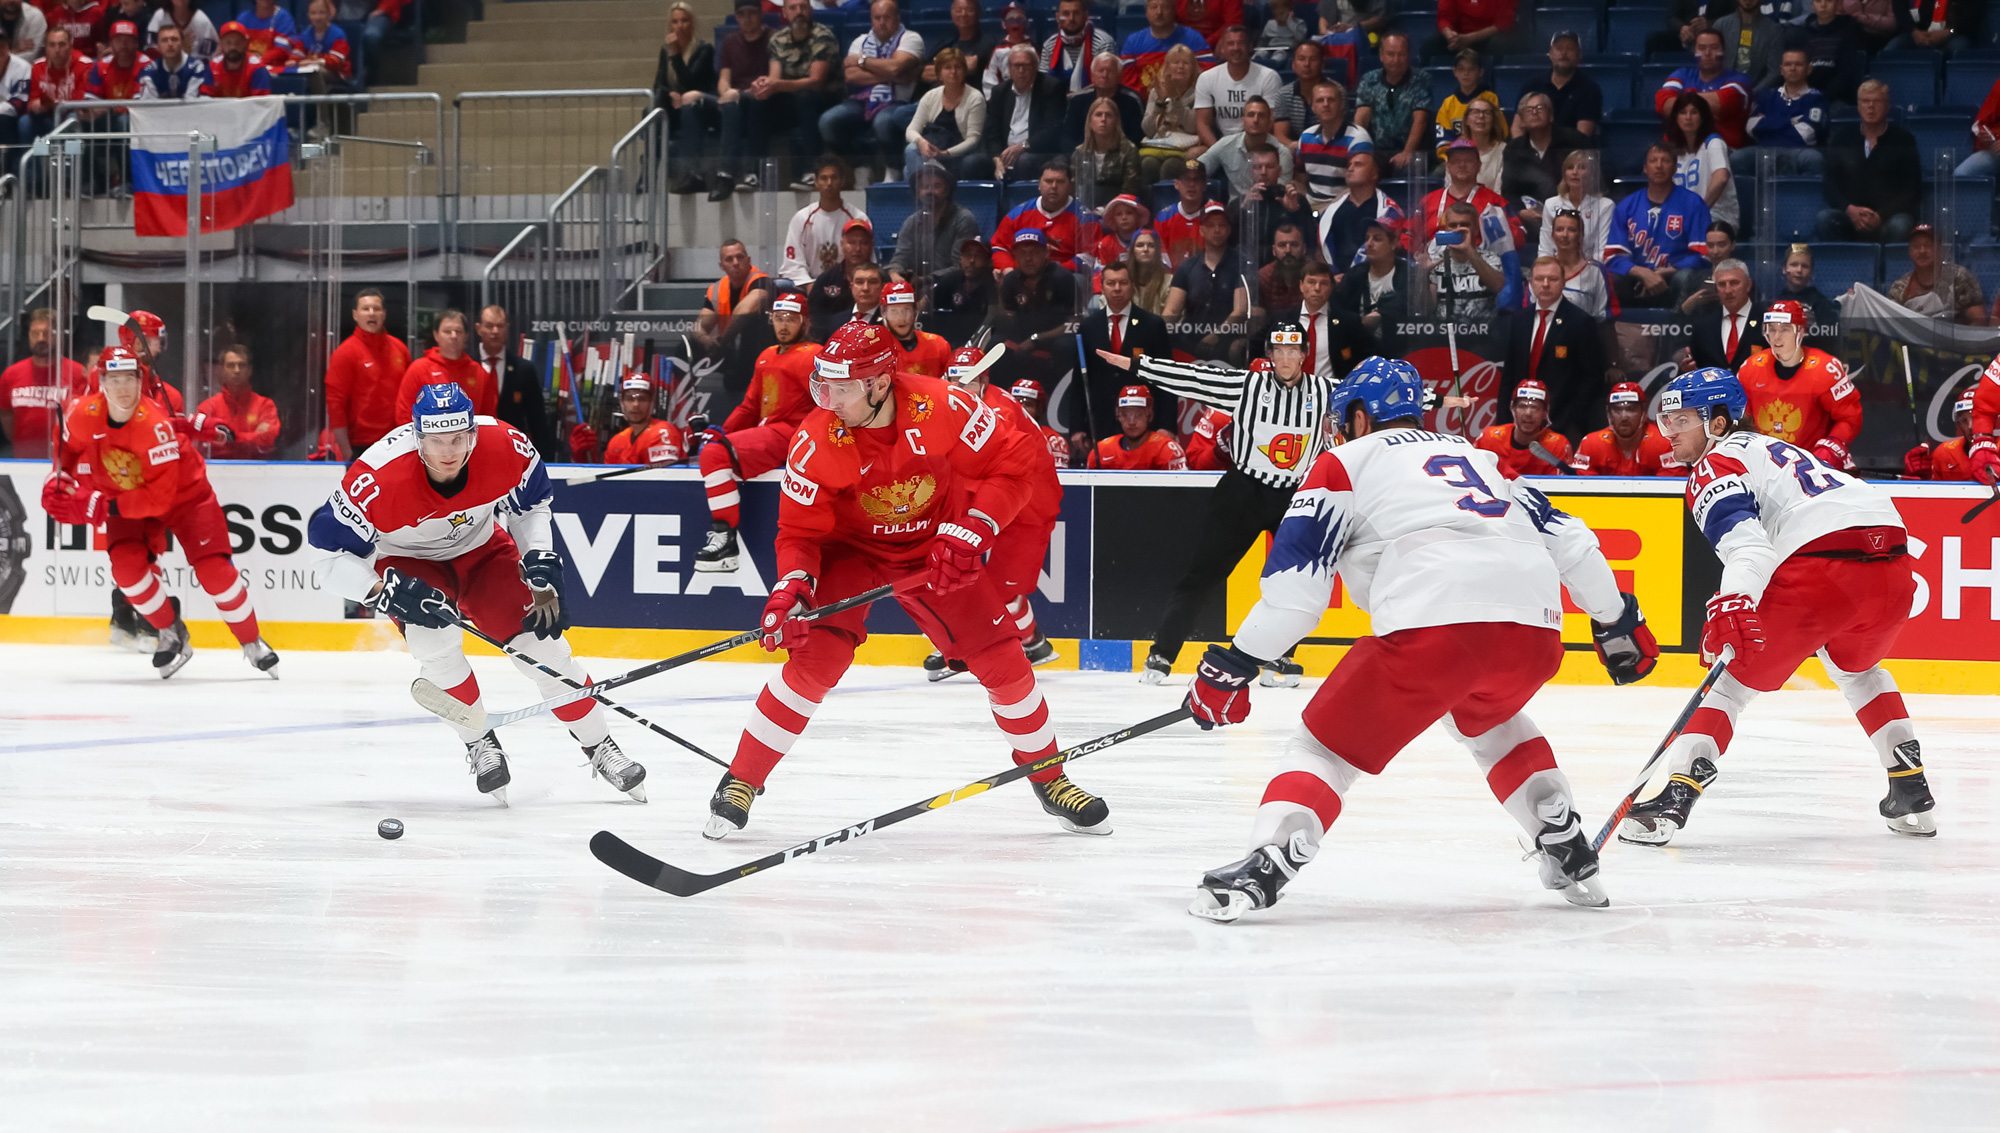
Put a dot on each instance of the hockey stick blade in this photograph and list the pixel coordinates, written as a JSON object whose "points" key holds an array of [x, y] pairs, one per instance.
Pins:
{"points": [[646, 869], [1624, 806], [1982, 505], [447, 707], [1541, 453]]}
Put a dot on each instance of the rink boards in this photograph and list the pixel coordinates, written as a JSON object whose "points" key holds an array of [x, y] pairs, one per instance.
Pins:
{"points": [[1121, 544]]}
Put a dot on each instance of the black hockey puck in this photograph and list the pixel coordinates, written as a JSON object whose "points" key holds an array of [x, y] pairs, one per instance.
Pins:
{"points": [[390, 828]]}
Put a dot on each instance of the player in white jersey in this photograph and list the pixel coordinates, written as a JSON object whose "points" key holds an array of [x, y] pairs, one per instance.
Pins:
{"points": [[415, 530], [1813, 562], [1461, 571]]}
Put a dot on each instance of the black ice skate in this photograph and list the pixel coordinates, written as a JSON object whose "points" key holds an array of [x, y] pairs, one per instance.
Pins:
{"points": [[172, 650], [729, 809], [1155, 670], [623, 774], [1567, 863], [489, 764], [719, 553], [1908, 805], [129, 630], [1253, 883], [1654, 822], [1040, 651], [936, 668], [1282, 673], [262, 657], [1079, 811]]}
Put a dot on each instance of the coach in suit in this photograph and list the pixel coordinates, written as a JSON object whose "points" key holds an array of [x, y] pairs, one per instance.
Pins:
{"points": [[520, 387], [1728, 332], [1122, 327], [1553, 341], [1017, 145]]}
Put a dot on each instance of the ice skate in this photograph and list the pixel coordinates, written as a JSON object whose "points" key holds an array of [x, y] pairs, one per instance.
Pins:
{"points": [[1155, 669], [936, 668], [1282, 673], [129, 630], [172, 651], [1655, 821], [1253, 883], [1040, 651], [1079, 811], [262, 657], [489, 764], [1568, 865], [729, 809], [1907, 807], [623, 774], [719, 553]]}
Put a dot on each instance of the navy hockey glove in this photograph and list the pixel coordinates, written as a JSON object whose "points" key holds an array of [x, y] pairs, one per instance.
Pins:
{"points": [[1626, 646], [549, 615], [1221, 692], [414, 602]]}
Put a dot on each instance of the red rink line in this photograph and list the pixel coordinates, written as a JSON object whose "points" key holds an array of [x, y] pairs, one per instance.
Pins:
{"points": [[1501, 1095]]}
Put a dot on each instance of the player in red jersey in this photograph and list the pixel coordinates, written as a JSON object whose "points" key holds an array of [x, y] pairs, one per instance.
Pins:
{"points": [[1515, 444], [918, 351], [1028, 392], [645, 439], [1982, 450], [124, 466], [1631, 446], [1138, 447], [414, 531], [895, 477], [1948, 461], [752, 439], [1203, 428], [1801, 394]]}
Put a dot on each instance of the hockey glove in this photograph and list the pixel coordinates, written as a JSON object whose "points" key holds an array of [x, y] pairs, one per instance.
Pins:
{"points": [[413, 602], [1833, 454], [1984, 457], [67, 502], [582, 443], [955, 556], [782, 625], [211, 431], [549, 616], [1917, 463], [1626, 646], [1732, 620], [1221, 692]]}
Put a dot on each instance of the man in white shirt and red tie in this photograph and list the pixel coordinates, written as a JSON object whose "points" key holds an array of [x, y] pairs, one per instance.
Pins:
{"points": [[1554, 342], [1334, 345], [520, 391], [1726, 333], [1122, 327]]}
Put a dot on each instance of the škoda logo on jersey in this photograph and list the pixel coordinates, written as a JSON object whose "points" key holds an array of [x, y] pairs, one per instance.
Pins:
{"points": [[899, 502]]}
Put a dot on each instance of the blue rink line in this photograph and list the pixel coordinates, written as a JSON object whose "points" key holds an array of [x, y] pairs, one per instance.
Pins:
{"points": [[352, 725]]}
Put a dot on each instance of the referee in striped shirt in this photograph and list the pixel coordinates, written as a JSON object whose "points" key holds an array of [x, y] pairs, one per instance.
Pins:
{"points": [[1277, 409]]}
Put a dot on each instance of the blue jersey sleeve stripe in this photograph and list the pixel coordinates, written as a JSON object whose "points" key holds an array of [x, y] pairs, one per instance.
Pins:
{"points": [[327, 532], [534, 491], [1725, 513]]}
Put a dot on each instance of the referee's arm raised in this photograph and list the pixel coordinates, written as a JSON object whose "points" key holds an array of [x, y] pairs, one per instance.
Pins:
{"points": [[1210, 385]]}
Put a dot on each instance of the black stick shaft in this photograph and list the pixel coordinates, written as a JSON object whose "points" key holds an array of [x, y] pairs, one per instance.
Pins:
{"points": [[1646, 774], [1982, 505], [648, 870], [728, 643]]}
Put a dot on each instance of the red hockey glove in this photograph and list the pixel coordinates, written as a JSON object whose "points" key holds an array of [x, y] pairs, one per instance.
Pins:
{"points": [[1833, 454], [1221, 692], [955, 556], [1626, 646], [211, 430], [67, 502], [783, 628], [1984, 457], [1732, 620], [582, 443], [1917, 463]]}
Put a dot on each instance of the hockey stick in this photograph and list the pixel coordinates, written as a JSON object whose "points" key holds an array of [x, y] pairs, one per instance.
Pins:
{"points": [[442, 704], [592, 477], [565, 678], [104, 314], [1646, 773], [642, 867], [1982, 505], [1541, 453]]}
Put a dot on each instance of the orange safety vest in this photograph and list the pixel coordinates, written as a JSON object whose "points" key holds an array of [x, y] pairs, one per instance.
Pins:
{"points": [[723, 302]]}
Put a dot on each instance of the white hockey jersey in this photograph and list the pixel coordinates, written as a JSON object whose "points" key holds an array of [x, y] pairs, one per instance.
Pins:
{"points": [[1758, 500], [1424, 530]]}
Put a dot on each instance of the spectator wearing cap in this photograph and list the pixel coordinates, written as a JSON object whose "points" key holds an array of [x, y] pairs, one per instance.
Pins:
{"points": [[1555, 343], [1527, 446], [1755, 41], [1208, 302], [813, 236], [920, 352], [1105, 85], [58, 76], [949, 123], [1461, 186], [745, 57], [1485, 25], [684, 89], [1293, 114], [1728, 332], [1072, 51], [1874, 175], [1179, 224], [1576, 101], [1836, 49], [1393, 103], [1790, 120], [1038, 300], [1223, 92], [836, 295], [1024, 119], [233, 74], [1470, 73], [1984, 160], [1343, 225], [961, 298], [1531, 175], [644, 438], [1231, 156], [120, 73], [972, 42], [1107, 162], [268, 24], [1726, 91], [1137, 446], [1121, 326], [881, 71], [1628, 445], [1325, 145], [1269, 204], [251, 417], [1013, 33], [1655, 243], [1068, 229], [1947, 291], [520, 388], [1465, 276], [1144, 52], [933, 232], [803, 81], [1284, 31], [1121, 220]]}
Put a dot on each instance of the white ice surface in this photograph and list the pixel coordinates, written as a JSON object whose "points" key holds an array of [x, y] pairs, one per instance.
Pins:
{"points": [[200, 929]]}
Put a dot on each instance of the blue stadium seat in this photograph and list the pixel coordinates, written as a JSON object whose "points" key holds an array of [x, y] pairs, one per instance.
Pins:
{"points": [[1626, 28], [1419, 25], [1653, 76], [1837, 267], [1509, 78], [1983, 260], [1164, 195], [1938, 132], [889, 205], [1626, 138], [1018, 193], [1972, 197], [1912, 77], [1583, 21], [982, 200], [1967, 81], [1800, 200], [1616, 80]]}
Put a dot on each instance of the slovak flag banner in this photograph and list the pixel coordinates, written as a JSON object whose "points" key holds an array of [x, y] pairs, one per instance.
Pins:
{"points": [[248, 176]]}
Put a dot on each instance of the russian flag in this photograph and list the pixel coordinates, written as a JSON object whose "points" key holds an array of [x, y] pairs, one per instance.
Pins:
{"points": [[248, 176]]}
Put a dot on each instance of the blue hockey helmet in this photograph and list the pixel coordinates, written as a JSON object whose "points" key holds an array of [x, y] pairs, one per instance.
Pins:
{"points": [[1388, 388], [442, 408], [1705, 390]]}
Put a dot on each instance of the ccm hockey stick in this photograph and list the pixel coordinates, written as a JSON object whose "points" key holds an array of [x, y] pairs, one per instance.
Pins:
{"points": [[1659, 753], [442, 704], [642, 867]]}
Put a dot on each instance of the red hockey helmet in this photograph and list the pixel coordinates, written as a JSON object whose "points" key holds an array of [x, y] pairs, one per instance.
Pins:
{"points": [[1626, 393], [1027, 389], [855, 352], [899, 293], [635, 380], [150, 324], [117, 359], [1531, 390], [1135, 397], [964, 365], [1787, 312], [1262, 366]]}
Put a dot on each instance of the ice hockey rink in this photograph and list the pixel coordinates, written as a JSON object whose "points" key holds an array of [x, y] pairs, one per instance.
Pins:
{"points": [[200, 928]]}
